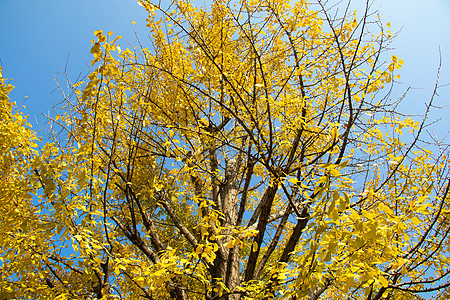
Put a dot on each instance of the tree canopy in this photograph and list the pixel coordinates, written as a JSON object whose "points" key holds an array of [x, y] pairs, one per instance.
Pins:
{"points": [[250, 150]]}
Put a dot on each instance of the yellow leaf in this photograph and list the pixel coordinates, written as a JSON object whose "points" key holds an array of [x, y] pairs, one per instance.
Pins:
{"points": [[254, 246], [416, 221], [385, 208], [383, 281]]}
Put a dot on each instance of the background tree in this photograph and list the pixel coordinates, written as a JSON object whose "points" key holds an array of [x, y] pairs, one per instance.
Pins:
{"points": [[250, 153]]}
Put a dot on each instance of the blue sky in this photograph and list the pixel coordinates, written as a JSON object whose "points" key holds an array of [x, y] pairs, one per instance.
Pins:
{"points": [[38, 38], [425, 27]]}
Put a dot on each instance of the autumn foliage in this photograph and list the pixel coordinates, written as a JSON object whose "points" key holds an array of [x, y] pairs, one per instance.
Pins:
{"points": [[249, 150]]}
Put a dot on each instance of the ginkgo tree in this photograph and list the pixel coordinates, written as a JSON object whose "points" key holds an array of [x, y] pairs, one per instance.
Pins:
{"points": [[250, 151]]}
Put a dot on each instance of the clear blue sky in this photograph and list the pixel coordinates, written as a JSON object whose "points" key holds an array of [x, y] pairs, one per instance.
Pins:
{"points": [[425, 26], [37, 37]]}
